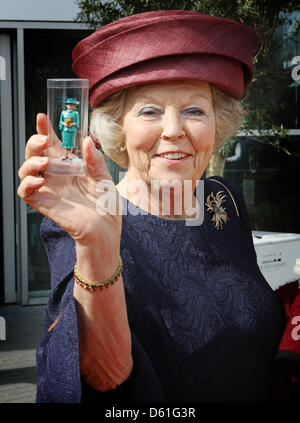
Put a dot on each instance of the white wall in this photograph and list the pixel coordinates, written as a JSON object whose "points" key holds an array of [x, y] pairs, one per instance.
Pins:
{"points": [[38, 10]]}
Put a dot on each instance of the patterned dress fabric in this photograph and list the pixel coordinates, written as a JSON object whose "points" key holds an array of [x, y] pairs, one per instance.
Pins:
{"points": [[69, 132], [205, 323]]}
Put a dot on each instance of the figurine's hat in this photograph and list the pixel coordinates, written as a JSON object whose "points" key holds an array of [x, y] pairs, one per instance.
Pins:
{"points": [[70, 101], [166, 45]]}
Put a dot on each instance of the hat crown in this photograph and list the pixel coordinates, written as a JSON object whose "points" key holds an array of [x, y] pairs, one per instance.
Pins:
{"points": [[134, 44], [70, 100]]}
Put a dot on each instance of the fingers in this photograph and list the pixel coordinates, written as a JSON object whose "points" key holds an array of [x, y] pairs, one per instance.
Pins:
{"points": [[44, 127], [34, 163], [29, 186], [42, 124], [94, 160], [33, 166], [36, 146]]}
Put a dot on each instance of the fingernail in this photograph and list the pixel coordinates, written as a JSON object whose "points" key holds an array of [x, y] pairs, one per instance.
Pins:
{"points": [[43, 138], [38, 181]]}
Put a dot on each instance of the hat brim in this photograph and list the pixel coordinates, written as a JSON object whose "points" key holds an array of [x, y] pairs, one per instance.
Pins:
{"points": [[166, 45], [228, 77]]}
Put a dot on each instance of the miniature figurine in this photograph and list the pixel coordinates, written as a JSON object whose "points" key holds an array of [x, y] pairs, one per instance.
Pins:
{"points": [[68, 124]]}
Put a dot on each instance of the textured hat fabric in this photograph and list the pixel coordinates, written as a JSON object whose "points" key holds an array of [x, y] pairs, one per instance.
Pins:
{"points": [[166, 45]]}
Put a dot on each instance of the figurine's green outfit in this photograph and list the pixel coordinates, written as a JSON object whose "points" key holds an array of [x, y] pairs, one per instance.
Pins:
{"points": [[69, 133]]}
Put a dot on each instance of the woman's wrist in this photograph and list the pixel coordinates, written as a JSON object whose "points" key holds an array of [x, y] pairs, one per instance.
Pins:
{"points": [[95, 263], [95, 285], [103, 328]]}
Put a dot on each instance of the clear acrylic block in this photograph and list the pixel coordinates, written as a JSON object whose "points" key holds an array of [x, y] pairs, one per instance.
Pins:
{"points": [[67, 111]]}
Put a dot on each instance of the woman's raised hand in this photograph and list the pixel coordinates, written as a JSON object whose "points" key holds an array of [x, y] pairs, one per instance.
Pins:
{"points": [[67, 200], [71, 202]]}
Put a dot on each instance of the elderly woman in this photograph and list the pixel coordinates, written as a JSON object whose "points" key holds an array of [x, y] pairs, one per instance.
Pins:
{"points": [[185, 314]]}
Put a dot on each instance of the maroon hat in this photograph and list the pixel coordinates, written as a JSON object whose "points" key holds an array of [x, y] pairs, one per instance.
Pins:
{"points": [[163, 46]]}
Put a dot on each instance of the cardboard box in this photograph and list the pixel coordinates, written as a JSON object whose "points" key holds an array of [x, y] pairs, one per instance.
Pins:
{"points": [[276, 256]]}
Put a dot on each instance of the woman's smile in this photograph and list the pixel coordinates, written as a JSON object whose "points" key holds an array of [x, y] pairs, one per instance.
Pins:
{"points": [[170, 131], [173, 159], [173, 156]]}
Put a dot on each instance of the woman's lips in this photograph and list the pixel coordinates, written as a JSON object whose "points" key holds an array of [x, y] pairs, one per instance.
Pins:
{"points": [[173, 160]]}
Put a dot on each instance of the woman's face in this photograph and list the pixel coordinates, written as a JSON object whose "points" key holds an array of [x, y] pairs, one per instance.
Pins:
{"points": [[170, 130]]}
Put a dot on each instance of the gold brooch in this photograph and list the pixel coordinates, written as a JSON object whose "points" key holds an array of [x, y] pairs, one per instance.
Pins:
{"points": [[214, 205]]}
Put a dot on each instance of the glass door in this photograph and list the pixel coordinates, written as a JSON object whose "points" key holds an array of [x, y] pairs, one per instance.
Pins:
{"points": [[47, 54], [8, 280]]}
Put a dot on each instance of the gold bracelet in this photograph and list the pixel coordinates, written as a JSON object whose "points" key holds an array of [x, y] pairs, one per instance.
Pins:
{"points": [[92, 286]]}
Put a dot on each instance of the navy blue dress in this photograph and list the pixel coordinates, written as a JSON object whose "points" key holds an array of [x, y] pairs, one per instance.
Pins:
{"points": [[205, 324]]}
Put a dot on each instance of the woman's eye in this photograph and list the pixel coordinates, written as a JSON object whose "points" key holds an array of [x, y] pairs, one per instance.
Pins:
{"points": [[149, 112], [194, 111]]}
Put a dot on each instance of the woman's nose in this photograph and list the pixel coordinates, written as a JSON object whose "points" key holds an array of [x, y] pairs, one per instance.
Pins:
{"points": [[172, 126]]}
